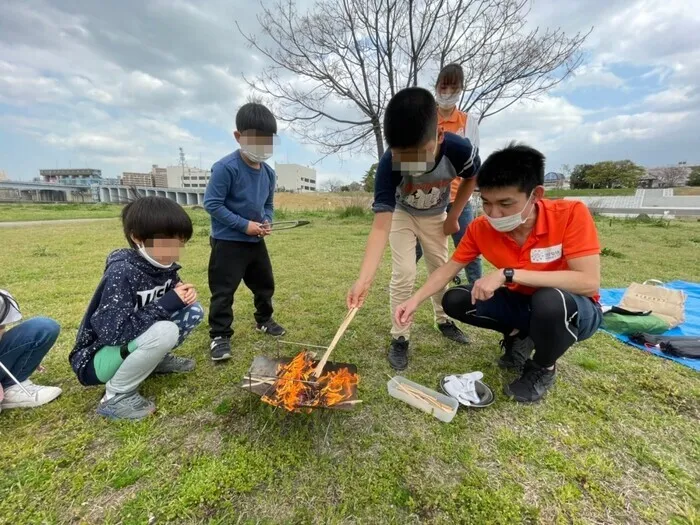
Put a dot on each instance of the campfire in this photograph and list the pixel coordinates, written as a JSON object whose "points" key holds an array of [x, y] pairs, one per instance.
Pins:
{"points": [[295, 386], [291, 384], [302, 384]]}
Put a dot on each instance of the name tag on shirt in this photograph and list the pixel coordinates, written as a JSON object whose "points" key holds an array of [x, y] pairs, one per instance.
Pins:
{"points": [[545, 255]]}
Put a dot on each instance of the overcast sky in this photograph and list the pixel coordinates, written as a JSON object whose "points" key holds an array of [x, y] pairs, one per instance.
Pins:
{"points": [[121, 85]]}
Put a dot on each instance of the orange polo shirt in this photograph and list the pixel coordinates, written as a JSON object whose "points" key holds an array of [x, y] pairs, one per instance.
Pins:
{"points": [[564, 230], [456, 123]]}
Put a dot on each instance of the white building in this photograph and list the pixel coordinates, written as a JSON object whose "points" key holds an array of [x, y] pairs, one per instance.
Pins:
{"points": [[179, 177], [293, 177], [3, 175]]}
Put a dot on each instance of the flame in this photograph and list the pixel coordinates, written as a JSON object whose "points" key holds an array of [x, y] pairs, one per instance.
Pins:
{"points": [[296, 387]]}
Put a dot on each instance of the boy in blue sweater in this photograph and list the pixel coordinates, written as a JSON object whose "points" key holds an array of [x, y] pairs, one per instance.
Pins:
{"points": [[140, 311], [239, 199]]}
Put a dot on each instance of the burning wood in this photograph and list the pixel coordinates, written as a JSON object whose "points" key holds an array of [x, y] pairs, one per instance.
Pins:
{"points": [[296, 387]]}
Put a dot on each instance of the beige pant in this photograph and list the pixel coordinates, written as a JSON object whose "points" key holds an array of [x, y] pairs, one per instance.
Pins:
{"points": [[405, 228]]}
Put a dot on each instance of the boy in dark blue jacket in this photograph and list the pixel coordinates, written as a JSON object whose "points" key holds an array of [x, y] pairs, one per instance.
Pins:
{"points": [[239, 199], [140, 311]]}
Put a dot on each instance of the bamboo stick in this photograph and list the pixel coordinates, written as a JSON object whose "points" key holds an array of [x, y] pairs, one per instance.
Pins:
{"points": [[344, 326], [421, 396]]}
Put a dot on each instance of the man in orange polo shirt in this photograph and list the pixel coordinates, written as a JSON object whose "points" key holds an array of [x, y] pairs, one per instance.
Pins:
{"points": [[543, 296]]}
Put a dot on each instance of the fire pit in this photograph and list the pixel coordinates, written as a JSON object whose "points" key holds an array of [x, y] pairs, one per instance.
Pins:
{"points": [[290, 383]]}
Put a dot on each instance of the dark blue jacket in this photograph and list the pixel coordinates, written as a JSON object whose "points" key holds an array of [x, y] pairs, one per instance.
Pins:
{"points": [[132, 295], [236, 194]]}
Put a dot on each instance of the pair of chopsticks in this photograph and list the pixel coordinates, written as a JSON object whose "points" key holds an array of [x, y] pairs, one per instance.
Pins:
{"points": [[420, 396]]}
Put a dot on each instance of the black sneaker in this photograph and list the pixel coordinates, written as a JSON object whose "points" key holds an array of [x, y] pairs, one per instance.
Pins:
{"points": [[220, 349], [271, 327], [532, 385], [398, 354], [516, 351], [450, 330]]}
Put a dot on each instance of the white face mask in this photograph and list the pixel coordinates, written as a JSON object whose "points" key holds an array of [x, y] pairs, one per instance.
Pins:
{"points": [[511, 222], [257, 152], [448, 101], [415, 169], [142, 250]]}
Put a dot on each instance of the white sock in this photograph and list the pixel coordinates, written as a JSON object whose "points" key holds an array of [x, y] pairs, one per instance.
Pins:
{"points": [[108, 395]]}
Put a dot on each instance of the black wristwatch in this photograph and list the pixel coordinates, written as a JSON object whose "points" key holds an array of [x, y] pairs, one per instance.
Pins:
{"points": [[509, 273]]}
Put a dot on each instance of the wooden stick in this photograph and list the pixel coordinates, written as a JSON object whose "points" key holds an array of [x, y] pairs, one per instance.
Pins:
{"points": [[427, 397], [344, 326], [421, 396]]}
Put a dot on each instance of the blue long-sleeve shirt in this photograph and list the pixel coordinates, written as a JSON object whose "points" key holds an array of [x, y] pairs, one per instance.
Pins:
{"points": [[237, 194]]}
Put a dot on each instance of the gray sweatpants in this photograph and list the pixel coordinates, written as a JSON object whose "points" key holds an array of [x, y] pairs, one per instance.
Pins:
{"points": [[151, 347]]}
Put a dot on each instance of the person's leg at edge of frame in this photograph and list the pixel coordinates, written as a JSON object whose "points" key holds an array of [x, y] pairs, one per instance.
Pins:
{"points": [[22, 348], [260, 280], [473, 269], [121, 399], [227, 264], [186, 319], [432, 237], [402, 240]]}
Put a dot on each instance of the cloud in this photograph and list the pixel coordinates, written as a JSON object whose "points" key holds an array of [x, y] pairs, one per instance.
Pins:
{"points": [[126, 83]]}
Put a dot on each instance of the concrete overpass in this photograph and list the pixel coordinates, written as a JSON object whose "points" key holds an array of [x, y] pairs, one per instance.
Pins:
{"points": [[44, 192], [123, 194]]}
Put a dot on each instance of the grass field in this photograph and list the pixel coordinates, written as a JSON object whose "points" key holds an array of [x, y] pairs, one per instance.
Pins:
{"points": [[689, 190], [616, 441], [605, 192]]}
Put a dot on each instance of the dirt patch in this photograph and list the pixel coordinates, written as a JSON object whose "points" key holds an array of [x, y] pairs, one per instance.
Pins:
{"points": [[95, 511]]}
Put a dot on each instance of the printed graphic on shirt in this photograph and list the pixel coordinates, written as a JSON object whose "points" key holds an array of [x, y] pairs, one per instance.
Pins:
{"points": [[546, 255], [148, 296]]}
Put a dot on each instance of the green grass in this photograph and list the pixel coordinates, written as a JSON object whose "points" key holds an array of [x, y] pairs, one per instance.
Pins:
{"points": [[604, 192], [616, 441], [45, 212]]}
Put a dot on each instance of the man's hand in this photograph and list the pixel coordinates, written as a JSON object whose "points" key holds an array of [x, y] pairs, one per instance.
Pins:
{"points": [[255, 229], [186, 293], [450, 226], [404, 312], [267, 228], [485, 287], [357, 294]]}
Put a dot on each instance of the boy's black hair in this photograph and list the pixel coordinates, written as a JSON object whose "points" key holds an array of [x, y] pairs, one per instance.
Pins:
{"points": [[516, 165], [410, 118], [256, 117], [452, 75], [149, 217]]}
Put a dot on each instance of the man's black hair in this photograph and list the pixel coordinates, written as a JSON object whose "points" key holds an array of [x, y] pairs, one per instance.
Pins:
{"points": [[515, 165], [410, 118], [148, 218], [256, 117]]}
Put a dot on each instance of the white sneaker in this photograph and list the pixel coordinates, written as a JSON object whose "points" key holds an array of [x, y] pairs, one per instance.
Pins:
{"points": [[15, 397]]}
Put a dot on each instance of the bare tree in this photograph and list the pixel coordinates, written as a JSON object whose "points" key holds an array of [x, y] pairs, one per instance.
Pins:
{"points": [[334, 68], [672, 176], [332, 185]]}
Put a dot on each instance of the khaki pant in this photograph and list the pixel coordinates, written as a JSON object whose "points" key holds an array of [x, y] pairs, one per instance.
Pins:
{"points": [[405, 228]]}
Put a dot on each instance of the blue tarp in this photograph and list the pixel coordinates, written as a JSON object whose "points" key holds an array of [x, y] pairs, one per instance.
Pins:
{"points": [[613, 296]]}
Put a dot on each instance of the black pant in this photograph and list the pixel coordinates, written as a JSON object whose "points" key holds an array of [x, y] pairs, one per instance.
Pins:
{"points": [[554, 319], [229, 263]]}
